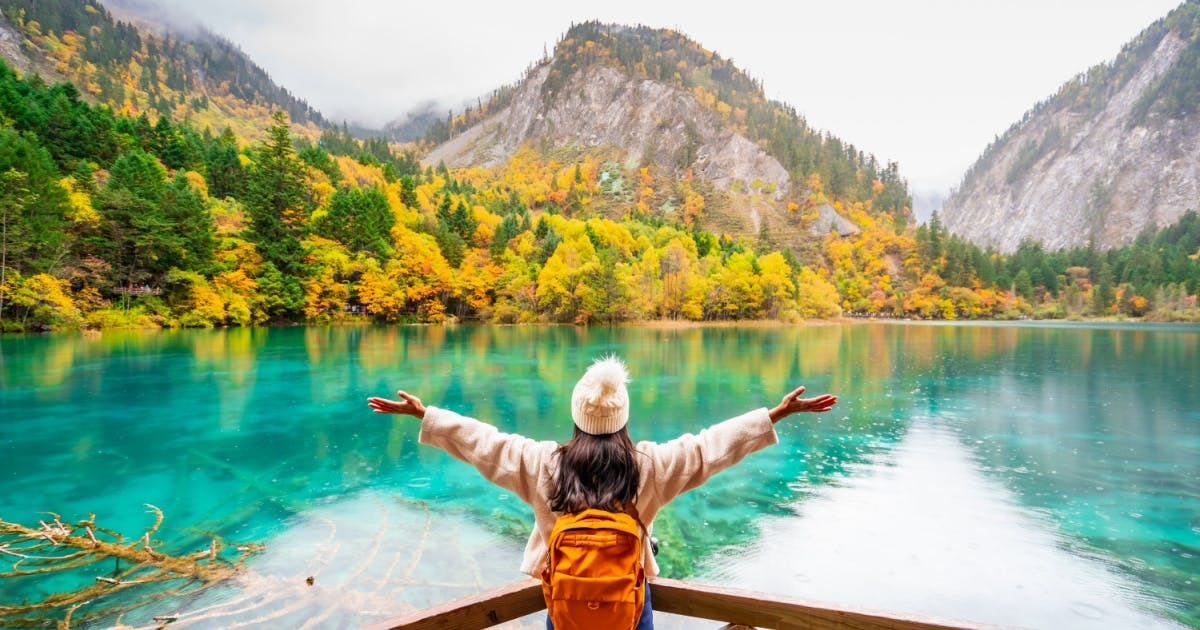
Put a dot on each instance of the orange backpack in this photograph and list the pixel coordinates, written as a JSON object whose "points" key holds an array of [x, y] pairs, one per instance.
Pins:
{"points": [[595, 578]]}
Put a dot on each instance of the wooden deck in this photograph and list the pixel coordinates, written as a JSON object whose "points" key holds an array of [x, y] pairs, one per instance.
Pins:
{"points": [[670, 596]]}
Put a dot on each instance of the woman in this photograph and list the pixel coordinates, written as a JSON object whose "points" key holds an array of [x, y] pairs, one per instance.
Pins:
{"points": [[599, 467]]}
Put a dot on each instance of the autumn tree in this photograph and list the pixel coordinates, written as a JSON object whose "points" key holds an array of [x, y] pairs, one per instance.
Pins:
{"points": [[816, 296]]}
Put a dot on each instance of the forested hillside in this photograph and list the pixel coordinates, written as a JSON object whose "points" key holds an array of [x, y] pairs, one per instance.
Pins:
{"points": [[116, 221], [196, 76], [110, 220]]}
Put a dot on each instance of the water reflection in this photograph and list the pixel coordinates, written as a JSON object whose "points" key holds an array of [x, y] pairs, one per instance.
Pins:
{"points": [[1098, 429], [921, 529]]}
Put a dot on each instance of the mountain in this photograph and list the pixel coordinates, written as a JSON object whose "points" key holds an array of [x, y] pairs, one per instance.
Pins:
{"points": [[139, 63], [656, 104], [1112, 153], [412, 126]]}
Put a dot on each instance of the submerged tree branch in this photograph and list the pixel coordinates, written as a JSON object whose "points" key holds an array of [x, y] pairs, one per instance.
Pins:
{"points": [[55, 547]]}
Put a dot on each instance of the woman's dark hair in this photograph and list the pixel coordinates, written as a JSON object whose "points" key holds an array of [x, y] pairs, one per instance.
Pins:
{"points": [[595, 471]]}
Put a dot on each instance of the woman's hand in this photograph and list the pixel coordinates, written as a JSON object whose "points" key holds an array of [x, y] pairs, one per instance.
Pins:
{"points": [[409, 405], [793, 403]]}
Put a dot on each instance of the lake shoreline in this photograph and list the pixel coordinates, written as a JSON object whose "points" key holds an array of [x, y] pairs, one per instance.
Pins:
{"points": [[655, 324]]}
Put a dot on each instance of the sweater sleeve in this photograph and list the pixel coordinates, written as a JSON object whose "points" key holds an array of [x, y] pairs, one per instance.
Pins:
{"points": [[508, 460], [689, 460]]}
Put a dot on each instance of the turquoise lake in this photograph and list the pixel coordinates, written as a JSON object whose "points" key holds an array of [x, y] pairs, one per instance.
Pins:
{"points": [[1036, 475]]}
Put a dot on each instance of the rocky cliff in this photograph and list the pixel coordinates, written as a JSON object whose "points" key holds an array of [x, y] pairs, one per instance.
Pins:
{"points": [[651, 123], [1117, 150], [651, 97]]}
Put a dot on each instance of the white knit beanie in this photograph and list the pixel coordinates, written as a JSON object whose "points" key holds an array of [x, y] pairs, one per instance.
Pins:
{"points": [[600, 404]]}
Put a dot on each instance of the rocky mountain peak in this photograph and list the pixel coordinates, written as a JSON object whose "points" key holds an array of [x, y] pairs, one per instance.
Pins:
{"points": [[650, 122], [1116, 151]]}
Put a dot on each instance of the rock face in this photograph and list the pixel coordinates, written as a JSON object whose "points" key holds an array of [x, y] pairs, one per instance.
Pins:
{"points": [[601, 106], [831, 220], [12, 53], [10, 46], [1081, 169]]}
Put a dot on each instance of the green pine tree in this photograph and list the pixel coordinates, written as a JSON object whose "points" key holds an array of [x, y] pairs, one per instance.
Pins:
{"points": [[277, 201]]}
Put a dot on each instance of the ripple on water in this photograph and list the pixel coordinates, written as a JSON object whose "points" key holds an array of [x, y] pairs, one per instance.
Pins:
{"points": [[1087, 611]]}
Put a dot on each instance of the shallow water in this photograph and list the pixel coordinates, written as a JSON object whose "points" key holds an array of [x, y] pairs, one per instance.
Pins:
{"points": [[1044, 476]]}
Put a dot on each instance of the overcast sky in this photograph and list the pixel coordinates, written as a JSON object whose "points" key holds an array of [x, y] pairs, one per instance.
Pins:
{"points": [[926, 83]]}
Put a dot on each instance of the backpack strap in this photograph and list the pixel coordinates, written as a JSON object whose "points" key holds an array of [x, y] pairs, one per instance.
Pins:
{"points": [[632, 510], [647, 539]]}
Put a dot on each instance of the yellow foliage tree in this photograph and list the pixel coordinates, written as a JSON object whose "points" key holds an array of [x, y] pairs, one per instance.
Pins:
{"points": [[197, 304], [679, 271], [380, 293], [516, 288], [476, 281], [327, 291], [413, 284], [41, 300], [693, 205], [238, 290], [80, 202], [360, 175], [779, 292], [736, 290], [816, 297], [644, 278]]}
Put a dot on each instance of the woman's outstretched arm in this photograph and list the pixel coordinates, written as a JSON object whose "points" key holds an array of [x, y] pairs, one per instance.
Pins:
{"points": [[408, 405], [689, 460], [508, 460], [793, 403]]}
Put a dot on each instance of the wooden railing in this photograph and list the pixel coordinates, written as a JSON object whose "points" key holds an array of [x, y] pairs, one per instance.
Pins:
{"points": [[720, 604]]}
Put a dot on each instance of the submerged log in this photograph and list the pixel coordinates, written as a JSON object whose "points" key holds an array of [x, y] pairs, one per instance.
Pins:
{"points": [[56, 547]]}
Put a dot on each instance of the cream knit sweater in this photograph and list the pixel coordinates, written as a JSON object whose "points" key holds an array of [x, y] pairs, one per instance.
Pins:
{"points": [[527, 467]]}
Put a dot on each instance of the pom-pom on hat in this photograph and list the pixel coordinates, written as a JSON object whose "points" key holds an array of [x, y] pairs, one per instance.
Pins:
{"points": [[600, 403]]}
